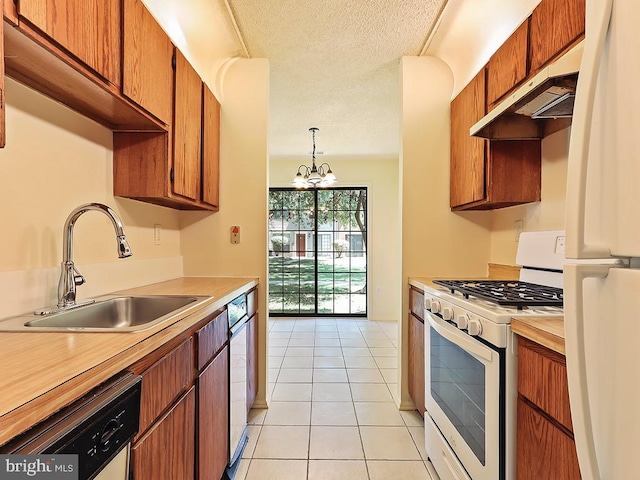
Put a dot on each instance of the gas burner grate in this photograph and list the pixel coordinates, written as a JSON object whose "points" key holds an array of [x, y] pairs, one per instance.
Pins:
{"points": [[507, 292]]}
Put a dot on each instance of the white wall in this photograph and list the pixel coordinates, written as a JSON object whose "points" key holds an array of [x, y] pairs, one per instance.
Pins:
{"points": [[380, 176], [206, 245], [55, 160], [547, 214], [435, 241]]}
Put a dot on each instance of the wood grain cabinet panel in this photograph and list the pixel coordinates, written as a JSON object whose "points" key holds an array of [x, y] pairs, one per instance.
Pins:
{"points": [[187, 130], [88, 29], [544, 452], [489, 174], [164, 381], [212, 337], [213, 417], [147, 71], [416, 362], [167, 451], [2, 101], [416, 302], [555, 26], [508, 66], [467, 152], [210, 148]]}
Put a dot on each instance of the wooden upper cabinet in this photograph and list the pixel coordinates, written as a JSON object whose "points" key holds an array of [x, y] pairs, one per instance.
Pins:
{"points": [[147, 72], [555, 25], [88, 29], [210, 148], [467, 152], [187, 130], [508, 66]]}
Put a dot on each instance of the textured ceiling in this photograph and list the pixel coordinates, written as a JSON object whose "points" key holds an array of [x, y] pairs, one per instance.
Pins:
{"points": [[334, 64]]}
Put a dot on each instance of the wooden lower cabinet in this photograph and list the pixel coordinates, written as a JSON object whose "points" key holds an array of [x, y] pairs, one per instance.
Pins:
{"points": [[213, 417], [168, 449], [544, 451], [416, 362], [545, 446]]}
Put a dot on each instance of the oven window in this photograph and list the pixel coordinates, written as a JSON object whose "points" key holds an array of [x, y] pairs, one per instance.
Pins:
{"points": [[458, 387]]}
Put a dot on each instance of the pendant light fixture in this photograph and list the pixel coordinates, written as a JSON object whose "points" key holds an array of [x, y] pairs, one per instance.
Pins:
{"points": [[312, 177]]}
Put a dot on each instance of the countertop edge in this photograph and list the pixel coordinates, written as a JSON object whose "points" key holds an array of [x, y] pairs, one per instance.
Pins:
{"points": [[548, 332], [20, 417]]}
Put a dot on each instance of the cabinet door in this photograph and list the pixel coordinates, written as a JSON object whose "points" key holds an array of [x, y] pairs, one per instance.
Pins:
{"points": [[467, 152], [168, 449], [187, 130], [89, 29], [213, 417], [210, 148], [508, 66], [416, 362], [147, 72], [252, 361], [543, 451], [555, 25]]}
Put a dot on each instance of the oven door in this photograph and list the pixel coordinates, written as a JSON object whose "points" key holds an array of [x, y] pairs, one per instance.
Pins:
{"points": [[464, 396]]}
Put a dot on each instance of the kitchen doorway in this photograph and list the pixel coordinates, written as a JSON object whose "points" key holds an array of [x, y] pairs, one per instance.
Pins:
{"points": [[318, 252]]}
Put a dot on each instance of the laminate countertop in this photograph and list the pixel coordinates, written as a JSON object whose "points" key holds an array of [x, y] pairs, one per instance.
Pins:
{"points": [[43, 372]]}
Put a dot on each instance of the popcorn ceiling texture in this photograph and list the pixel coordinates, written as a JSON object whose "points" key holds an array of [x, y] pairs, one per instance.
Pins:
{"points": [[334, 64]]}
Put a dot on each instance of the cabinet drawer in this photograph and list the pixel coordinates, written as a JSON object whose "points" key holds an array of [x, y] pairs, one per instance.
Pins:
{"points": [[542, 379], [416, 302], [212, 337], [164, 381], [168, 449], [544, 452]]}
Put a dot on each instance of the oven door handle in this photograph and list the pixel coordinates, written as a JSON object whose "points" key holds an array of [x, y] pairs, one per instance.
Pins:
{"points": [[461, 339]]}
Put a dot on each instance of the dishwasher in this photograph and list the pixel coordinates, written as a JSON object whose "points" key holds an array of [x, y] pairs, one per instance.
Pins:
{"points": [[98, 428], [237, 315]]}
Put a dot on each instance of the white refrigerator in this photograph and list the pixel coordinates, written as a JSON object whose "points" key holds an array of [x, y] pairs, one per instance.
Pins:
{"points": [[602, 269]]}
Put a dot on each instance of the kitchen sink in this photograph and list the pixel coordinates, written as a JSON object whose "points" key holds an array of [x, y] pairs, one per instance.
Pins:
{"points": [[116, 314]]}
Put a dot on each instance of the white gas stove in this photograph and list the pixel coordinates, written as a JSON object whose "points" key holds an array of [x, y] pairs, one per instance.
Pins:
{"points": [[471, 362]]}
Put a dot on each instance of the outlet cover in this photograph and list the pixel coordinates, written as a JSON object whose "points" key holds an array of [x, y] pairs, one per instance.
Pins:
{"points": [[157, 240]]}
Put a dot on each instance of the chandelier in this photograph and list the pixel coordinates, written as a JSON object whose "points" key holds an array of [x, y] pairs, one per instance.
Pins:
{"points": [[312, 177]]}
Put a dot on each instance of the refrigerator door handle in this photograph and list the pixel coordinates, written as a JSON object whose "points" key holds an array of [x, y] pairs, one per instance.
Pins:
{"points": [[576, 246], [574, 276]]}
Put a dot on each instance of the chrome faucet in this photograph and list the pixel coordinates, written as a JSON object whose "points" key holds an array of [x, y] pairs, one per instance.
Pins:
{"points": [[70, 277]]}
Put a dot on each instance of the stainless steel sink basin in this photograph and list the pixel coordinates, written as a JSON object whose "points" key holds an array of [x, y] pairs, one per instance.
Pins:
{"points": [[116, 314]]}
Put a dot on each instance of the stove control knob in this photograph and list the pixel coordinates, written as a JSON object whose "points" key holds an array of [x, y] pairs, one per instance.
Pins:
{"points": [[474, 327], [462, 321], [427, 304], [447, 313], [435, 306]]}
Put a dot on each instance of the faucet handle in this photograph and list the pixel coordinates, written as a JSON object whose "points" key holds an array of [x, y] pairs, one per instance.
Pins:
{"points": [[78, 279]]}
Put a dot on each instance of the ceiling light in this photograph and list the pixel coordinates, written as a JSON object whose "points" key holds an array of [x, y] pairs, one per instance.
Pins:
{"points": [[312, 177]]}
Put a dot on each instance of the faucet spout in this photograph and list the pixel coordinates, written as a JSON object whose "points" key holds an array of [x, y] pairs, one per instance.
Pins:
{"points": [[69, 276]]}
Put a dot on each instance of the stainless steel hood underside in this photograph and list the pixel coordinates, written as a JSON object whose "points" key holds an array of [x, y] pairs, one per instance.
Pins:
{"points": [[540, 104]]}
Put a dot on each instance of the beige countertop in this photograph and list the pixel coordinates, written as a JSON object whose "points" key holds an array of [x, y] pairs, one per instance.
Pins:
{"points": [[43, 372]]}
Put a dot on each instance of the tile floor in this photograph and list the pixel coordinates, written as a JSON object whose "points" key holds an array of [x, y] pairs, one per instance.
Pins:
{"points": [[332, 414]]}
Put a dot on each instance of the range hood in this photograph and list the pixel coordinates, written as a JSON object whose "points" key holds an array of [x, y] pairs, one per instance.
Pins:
{"points": [[547, 97]]}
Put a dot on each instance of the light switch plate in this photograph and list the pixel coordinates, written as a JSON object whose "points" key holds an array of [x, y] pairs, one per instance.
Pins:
{"points": [[235, 234]]}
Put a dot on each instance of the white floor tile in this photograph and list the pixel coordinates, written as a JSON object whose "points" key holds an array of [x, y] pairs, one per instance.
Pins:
{"points": [[384, 352], [243, 467], [333, 413], [337, 392], [386, 362], [277, 351], [273, 375], [302, 342], [364, 375], [295, 375], [417, 434], [288, 413], [299, 352], [256, 416], [384, 470], [335, 443], [278, 342], [327, 342], [390, 375], [360, 362], [370, 392], [253, 432], [412, 418], [297, 362], [328, 362], [329, 375], [327, 335], [327, 352], [387, 443], [353, 342], [356, 352], [275, 362], [338, 470], [292, 392], [277, 469], [377, 413], [282, 442]]}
